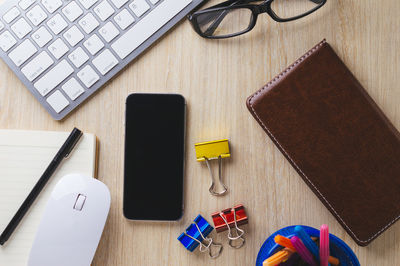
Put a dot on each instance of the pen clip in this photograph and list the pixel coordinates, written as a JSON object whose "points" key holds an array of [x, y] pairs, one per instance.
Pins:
{"points": [[75, 141]]}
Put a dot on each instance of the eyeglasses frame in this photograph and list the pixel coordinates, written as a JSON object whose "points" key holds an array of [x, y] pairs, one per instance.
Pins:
{"points": [[256, 10]]}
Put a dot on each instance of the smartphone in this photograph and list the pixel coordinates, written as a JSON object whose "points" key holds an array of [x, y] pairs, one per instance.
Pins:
{"points": [[154, 157]]}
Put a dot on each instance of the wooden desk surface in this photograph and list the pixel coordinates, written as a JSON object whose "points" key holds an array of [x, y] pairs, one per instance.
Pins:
{"points": [[216, 77]]}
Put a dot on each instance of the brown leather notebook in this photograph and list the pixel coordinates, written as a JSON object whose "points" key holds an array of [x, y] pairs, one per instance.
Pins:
{"points": [[337, 138]]}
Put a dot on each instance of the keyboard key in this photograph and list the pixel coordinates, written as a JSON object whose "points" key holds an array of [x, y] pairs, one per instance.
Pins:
{"points": [[93, 44], [139, 7], [57, 24], [57, 101], [1, 26], [73, 89], [36, 15], [108, 32], [58, 48], [105, 62], [73, 35], [88, 3], [89, 23], [78, 57], [21, 28], [154, 1], [54, 77], [119, 3], [7, 41], [72, 11], [104, 10], [52, 5], [42, 36], [37, 66], [124, 19], [23, 52], [24, 4], [147, 26], [88, 76], [11, 14]]}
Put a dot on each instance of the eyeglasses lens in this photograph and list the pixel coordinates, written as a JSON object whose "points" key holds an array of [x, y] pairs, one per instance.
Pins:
{"points": [[225, 22]]}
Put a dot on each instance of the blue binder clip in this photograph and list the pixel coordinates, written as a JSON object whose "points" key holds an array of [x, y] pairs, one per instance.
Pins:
{"points": [[196, 234]]}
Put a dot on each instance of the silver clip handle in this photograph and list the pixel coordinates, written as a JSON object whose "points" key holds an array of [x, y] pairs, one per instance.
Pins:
{"points": [[210, 245], [238, 235], [212, 187], [214, 249], [232, 239], [237, 230], [218, 250]]}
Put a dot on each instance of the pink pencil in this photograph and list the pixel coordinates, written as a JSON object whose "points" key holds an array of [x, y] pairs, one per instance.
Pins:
{"points": [[304, 253], [324, 245]]}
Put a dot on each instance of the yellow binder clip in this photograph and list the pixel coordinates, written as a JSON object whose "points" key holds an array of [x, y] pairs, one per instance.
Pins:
{"points": [[211, 150]]}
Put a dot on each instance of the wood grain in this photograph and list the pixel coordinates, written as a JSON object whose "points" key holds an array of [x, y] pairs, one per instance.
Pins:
{"points": [[216, 77]]}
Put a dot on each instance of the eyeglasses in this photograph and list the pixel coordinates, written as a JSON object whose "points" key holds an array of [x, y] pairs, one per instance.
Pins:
{"points": [[236, 17]]}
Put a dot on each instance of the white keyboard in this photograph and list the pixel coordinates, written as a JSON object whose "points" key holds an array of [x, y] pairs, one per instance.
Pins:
{"points": [[63, 51]]}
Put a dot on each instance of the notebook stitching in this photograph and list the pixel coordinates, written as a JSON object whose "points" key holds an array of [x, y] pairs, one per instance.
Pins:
{"points": [[298, 61]]}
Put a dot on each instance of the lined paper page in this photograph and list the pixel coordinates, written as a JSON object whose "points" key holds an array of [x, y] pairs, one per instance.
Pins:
{"points": [[24, 155]]}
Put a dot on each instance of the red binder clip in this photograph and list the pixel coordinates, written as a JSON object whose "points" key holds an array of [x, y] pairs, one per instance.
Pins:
{"points": [[230, 219]]}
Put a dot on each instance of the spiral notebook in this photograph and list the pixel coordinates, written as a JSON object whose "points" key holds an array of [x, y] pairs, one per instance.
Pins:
{"points": [[24, 155]]}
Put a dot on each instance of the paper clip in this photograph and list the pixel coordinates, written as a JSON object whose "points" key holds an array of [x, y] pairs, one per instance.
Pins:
{"points": [[211, 150], [196, 234], [231, 218]]}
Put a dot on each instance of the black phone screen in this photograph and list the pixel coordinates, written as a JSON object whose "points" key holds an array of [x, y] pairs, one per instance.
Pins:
{"points": [[154, 156]]}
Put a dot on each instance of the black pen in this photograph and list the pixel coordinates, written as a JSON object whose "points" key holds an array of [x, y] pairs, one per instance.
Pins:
{"points": [[64, 152]]}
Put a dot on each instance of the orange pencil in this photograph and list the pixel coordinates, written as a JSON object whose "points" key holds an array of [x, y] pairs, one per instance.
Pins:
{"points": [[333, 260], [284, 242], [278, 257]]}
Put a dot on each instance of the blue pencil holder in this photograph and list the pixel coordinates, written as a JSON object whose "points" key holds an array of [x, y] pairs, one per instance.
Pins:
{"points": [[338, 248]]}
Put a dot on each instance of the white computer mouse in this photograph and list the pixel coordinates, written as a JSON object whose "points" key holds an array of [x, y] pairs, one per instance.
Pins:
{"points": [[72, 223]]}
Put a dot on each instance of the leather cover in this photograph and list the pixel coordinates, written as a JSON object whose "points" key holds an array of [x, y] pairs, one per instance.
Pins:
{"points": [[337, 138]]}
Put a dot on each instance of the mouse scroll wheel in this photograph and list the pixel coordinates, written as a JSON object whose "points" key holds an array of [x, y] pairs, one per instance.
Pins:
{"points": [[79, 202]]}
